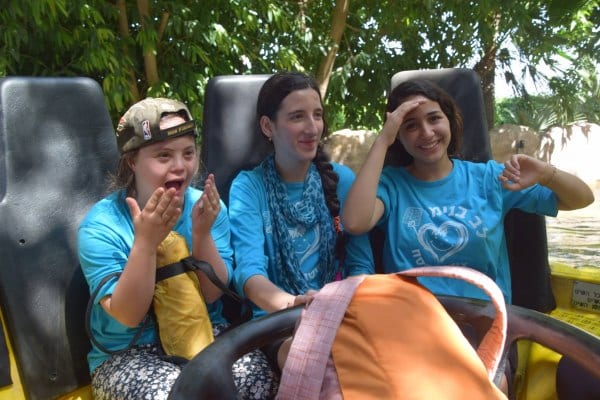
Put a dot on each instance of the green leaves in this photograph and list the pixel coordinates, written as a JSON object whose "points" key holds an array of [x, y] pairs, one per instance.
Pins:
{"points": [[185, 43]]}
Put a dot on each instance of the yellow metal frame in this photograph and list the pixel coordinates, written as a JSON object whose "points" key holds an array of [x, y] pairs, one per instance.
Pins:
{"points": [[16, 391], [577, 292]]}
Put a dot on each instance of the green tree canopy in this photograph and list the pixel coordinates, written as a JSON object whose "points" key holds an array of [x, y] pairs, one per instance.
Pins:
{"points": [[172, 47]]}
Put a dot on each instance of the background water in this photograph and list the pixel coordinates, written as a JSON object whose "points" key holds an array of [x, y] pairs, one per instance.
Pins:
{"points": [[574, 236]]}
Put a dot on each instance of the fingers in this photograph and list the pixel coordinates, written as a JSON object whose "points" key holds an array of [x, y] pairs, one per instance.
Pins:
{"points": [[210, 188], [207, 208], [158, 217], [134, 208], [305, 298], [404, 109], [163, 206], [512, 170], [395, 118], [522, 171], [210, 200], [509, 183], [408, 106], [154, 199]]}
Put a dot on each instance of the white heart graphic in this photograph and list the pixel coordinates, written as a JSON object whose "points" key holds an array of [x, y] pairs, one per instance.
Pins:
{"points": [[443, 241]]}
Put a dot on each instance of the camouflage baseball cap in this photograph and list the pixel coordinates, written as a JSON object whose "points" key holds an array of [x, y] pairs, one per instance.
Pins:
{"points": [[140, 125]]}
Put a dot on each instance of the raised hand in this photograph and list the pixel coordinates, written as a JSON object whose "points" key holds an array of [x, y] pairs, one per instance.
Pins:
{"points": [[207, 208], [157, 219], [522, 171], [395, 118]]}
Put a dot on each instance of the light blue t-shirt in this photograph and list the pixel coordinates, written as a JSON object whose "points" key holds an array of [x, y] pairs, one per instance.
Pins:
{"points": [[457, 220], [105, 238], [252, 235]]}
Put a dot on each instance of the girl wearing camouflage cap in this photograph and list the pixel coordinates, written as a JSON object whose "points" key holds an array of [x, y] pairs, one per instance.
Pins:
{"points": [[152, 197]]}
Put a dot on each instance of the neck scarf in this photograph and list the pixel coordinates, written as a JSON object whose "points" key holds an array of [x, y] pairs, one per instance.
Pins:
{"points": [[310, 212]]}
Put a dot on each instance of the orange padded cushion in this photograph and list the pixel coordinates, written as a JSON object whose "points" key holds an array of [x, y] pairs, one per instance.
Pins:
{"points": [[397, 342]]}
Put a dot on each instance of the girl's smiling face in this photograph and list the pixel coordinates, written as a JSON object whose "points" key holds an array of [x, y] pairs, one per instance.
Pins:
{"points": [[425, 133], [296, 129], [169, 163]]}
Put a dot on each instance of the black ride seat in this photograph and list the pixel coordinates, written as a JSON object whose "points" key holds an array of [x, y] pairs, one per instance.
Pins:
{"points": [[56, 147], [230, 140]]}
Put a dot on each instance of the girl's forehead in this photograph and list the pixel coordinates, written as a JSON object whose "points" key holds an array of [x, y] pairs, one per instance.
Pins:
{"points": [[428, 107], [301, 98], [415, 97]]}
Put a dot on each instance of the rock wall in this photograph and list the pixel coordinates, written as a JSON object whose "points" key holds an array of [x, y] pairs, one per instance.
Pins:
{"points": [[349, 147], [507, 140], [574, 148]]}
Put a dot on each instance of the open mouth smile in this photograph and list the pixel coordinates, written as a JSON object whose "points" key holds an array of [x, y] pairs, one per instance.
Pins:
{"points": [[177, 184]]}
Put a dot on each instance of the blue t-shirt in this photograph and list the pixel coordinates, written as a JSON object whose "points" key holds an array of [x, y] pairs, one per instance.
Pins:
{"points": [[252, 235], [105, 238], [457, 220]]}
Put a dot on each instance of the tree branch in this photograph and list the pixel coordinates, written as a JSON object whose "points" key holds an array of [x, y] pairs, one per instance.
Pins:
{"points": [[338, 24], [123, 28], [150, 64], [164, 20]]}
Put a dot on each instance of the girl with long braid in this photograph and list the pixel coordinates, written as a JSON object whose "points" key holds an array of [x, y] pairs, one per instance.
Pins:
{"points": [[284, 214]]}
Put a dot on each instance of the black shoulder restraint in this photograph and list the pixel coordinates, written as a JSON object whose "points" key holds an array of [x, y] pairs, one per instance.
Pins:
{"points": [[192, 264], [166, 272]]}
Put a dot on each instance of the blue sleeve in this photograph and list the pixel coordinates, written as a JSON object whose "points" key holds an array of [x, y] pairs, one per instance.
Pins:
{"points": [[247, 229], [359, 256], [98, 259], [103, 245], [385, 190]]}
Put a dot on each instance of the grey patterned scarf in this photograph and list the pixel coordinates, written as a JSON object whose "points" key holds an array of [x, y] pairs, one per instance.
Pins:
{"points": [[308, 212]]}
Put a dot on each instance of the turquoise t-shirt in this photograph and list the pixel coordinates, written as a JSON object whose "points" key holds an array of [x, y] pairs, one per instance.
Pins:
{"points": [[457, 220], [105, 238], [252, 236]]}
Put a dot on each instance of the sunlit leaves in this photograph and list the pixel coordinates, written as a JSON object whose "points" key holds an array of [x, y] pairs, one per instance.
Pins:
{"points": [[204, 38]]}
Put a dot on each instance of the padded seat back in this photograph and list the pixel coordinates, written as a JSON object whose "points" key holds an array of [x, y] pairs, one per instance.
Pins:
{"points": [[230, 138], [56, 148]]}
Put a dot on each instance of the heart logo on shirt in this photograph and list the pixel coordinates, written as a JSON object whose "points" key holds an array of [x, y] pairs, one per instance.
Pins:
{"points": [[443, 241]]}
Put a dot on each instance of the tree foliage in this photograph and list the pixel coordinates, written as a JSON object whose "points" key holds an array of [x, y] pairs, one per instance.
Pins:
{"points": [[173, 47]]}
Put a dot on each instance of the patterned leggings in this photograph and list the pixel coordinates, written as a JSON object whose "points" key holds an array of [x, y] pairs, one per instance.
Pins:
{"points": [[141, 374]]}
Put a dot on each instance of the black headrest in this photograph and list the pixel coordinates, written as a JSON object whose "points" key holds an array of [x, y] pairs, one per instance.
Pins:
{"points": [[464, 85], [230, 140], [57, 146]]}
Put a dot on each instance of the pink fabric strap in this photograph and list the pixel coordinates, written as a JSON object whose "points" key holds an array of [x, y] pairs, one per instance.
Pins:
{"points": [[302, 375], [491, 346]]}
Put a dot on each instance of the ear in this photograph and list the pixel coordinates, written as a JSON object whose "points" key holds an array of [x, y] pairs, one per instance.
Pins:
{"points": [[266, 126], [131, 163]]}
